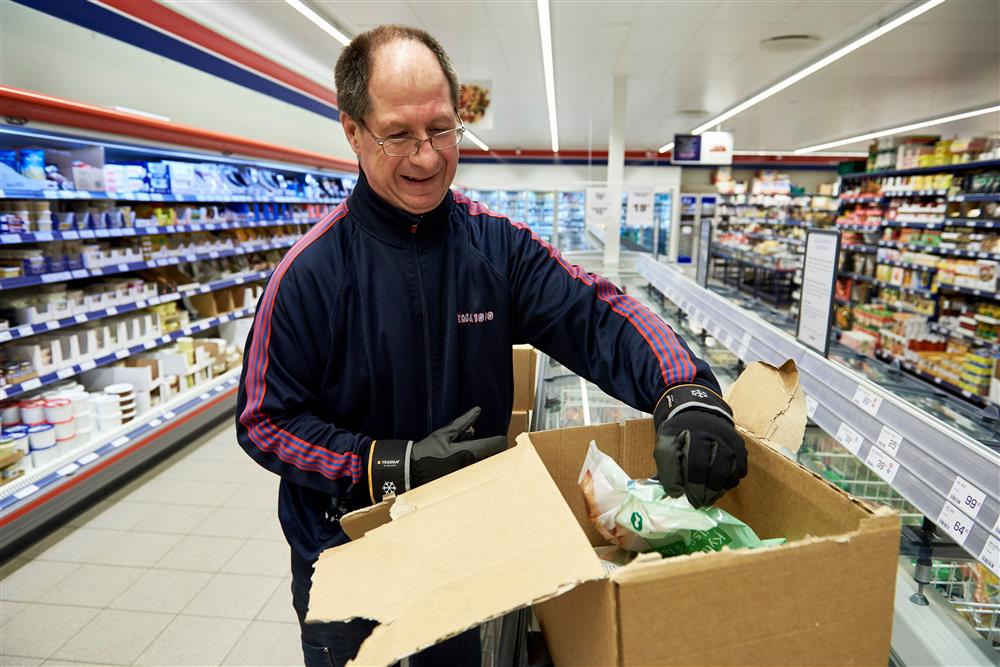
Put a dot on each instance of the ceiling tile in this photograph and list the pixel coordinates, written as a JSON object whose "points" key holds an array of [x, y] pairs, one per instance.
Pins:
{"points": [[566, 12], [675, 12], [657, 40], [822, 12], [435, 13], [520, 12], [756, 11], [584, 39], [369, 13]]}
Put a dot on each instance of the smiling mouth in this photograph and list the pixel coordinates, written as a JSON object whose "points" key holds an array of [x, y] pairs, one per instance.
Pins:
{"points": [[414, 179]]}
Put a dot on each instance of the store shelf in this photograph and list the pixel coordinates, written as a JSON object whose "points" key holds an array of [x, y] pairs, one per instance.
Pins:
{"points": [[859, 247], [865, 229], [900, 307], [994, 196], [129, 232], [944, 384], [914, 225], [860, 200], [945, 252], [929, 463], [916, 291], [14, 390], [907, 265], [965, 166], [26, 330], [972, 222], [33, 499], [860, 277], [896, 194], [63, 276], [987, 294], [152, 197], [992, 346]]}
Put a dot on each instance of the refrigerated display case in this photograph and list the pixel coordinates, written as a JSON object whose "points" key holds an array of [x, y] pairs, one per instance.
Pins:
{"points": [[663, 211], [694, 208], [571, 227]]}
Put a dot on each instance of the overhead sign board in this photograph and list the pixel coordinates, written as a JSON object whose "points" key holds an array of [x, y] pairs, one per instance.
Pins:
{"points": [[714, 148]]}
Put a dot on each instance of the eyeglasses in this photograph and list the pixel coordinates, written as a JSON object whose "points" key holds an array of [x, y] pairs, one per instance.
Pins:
{"points": [[407, 146]]}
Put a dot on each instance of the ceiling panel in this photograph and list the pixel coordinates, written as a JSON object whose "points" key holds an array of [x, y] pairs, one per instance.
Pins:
{"points": [[678, 54]]}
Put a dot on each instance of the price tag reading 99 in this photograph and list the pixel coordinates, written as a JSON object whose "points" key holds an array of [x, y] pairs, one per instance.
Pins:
{"points": [[966, 497], [955, 523]]}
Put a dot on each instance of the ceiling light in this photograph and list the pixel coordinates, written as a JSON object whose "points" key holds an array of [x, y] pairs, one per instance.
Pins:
{"points": [[665, 147], [476, 140], [820, 64], [323, 24], [898, 130], [545, 28], [789, 153]]}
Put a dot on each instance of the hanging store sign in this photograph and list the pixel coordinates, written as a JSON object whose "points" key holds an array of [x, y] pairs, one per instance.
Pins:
{"points": [[598, 207], [819, 274], [704, 148], [639, 212]]}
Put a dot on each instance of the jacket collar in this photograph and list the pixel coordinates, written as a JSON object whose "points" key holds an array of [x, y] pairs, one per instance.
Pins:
{"points": [[396, 226]]}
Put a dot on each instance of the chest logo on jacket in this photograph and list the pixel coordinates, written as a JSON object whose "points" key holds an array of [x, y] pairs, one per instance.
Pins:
{"points": [[475, 318]]}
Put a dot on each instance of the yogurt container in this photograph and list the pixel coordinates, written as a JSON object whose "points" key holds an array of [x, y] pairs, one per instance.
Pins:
{"points": [[42, 436]]}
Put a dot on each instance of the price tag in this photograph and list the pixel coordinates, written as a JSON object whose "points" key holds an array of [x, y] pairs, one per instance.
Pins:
{"points": [[67, 470], [154, 423], [33, 383], [205, 397], [50, 194], [111, 310], [996, 527], [966, 497], [889, 440], [990, 555], [64, 373], [142, 196], [56, 277], [169, 414], [849, 438], [867, 400], [87, 458], [955, 523], [25, 492], [149, 344], [156, 197], [883, 464], [811, 405], [742, 352], [81, 273], [87, 365], [102, 233], [214, 254], [121, 354], [51, 324], [119, 442]]}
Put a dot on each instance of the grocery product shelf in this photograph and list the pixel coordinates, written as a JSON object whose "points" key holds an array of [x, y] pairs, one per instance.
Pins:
{"points": [[914, 225], [30, 502], [26, 330], [948, 476], [859, 247], [907, 265], [917, 291], [944, 384], [973, 196], [153, 197], [865, 229], [946, 252], [860, 200], [14, 390], [965, 166], [127, 232], [986, 294], [896, 194], [63, 276], [992, 346], [972, 222], [857, 276]]}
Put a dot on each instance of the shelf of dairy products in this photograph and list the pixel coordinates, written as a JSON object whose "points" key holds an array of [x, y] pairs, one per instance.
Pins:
{"points": [[17, 238], [949, 476], [88, 195]]}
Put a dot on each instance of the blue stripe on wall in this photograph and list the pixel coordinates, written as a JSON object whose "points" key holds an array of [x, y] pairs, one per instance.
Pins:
{"points": [[94, 17]]}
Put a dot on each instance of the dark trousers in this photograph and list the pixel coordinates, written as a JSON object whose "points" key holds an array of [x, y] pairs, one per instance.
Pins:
{"points": [[333, 644]]}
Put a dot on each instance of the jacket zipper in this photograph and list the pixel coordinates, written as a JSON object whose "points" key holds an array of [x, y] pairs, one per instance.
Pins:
{"points": [[427, 333]]}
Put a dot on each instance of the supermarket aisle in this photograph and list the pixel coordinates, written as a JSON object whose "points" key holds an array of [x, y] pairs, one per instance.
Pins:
{"points": [[184, 566]]}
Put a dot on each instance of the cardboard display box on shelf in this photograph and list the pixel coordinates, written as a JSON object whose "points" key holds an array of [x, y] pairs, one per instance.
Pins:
{"points": [[519, 518]]}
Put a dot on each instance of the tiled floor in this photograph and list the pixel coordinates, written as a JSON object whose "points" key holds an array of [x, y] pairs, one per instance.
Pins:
{"points": [[184, 566]]}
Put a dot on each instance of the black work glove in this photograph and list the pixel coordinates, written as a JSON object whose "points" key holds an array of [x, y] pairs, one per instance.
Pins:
{"points": [[698, 452], [396, 466]]}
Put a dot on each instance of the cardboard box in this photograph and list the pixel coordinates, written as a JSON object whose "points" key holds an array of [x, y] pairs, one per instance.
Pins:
{"points": [[513, 531], [525, 361], [520, 421]]}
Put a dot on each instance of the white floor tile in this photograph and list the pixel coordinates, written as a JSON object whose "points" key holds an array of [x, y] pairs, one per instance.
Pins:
{"points": [[167, 591], [267, 644], [30, 582], [81, 545], [42, 628], [262, 557], [114, 637], [200, 553], [232, 522], [271, 530], [92, 586], [174, 519], [191, 640], [279, 607], [137, 549], [9, 609], [212, 494], [233, 596], [122, 515], [258, 496], [20, 661]]}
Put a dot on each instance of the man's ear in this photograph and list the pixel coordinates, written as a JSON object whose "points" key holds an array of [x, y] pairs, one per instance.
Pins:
{"points": [[352, 131]]}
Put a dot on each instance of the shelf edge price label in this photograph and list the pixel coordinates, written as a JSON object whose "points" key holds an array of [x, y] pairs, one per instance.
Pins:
{"points": [[955, 523], [990, 555], [849, 438], [884, 465], [889, 440], [867, 400], [67, 470], [811, 405], [25, 492], [87, 458], [966, 497], [119, 442], [996, 527]]}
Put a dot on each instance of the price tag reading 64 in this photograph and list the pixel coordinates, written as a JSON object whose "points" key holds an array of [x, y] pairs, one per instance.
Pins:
{"points": [[955, 523]]}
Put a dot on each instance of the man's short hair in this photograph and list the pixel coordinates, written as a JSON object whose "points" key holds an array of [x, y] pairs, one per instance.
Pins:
{"points": [[353, 69]]}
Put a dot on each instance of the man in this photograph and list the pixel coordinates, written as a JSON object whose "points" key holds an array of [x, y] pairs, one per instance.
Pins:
{"points": [[364, 372]]}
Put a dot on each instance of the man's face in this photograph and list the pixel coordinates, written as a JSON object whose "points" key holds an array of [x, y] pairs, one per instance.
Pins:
{"points": [[410, 98]]}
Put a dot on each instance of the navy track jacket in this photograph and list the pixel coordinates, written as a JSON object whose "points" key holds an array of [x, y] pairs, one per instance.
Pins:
{"points": [[383, 324]]}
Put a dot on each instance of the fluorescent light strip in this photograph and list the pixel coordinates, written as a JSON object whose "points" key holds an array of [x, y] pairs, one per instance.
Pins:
{"points": [[666, 147], [476, 140], [545, 29], [820, 64], [899, 130], [790, 153], [321, 22]]}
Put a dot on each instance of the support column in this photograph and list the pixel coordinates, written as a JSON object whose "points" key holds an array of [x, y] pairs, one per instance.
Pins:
{"points": [[616, 176]]}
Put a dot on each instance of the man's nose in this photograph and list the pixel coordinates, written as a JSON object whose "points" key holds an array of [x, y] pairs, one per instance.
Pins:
{"points": [[425, 155]]}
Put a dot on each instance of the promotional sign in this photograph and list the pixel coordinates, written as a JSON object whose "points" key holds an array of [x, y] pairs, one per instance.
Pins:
{"points": [[819, 274], [704, 148], [598, 209], [639, 211], [704, 251], [474, 104]]}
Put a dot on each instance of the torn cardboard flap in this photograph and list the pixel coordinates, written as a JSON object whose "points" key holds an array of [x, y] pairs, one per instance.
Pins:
{"points": [[769, 404], [432, 571]]}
